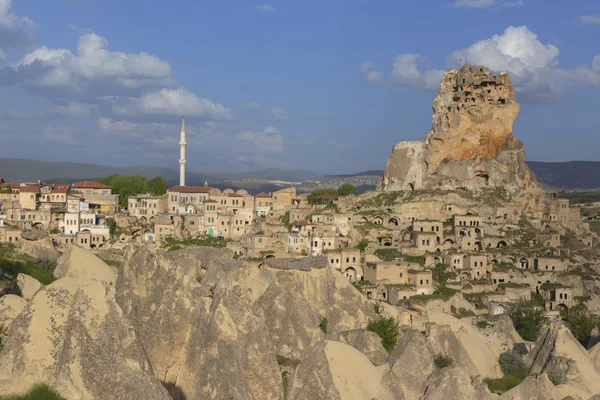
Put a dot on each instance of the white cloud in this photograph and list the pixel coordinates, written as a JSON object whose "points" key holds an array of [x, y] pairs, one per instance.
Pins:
{"points": [[486, 3], [267, 141], [531, 64], [368, 70], [76, 110], [93, 62], [252, 104], [264, 8], [15, 32], [58, 134], [589, 19], [279, 114], [174, 102]]}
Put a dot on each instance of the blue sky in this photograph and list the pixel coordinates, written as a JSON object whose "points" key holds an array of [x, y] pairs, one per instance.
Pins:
{"points": [[327, 86]]}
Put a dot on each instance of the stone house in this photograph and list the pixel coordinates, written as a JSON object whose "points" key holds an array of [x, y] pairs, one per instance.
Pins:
{"points": [[262, 204], [163, 227], [400, 292], [210, 217], [347, 261], [465, 221], [283, 198], [28, 196], [9, 235], [298, 244], [90, 187], [432, 226], [557, 297], [478, 265], [181, 195], [146, 206], [426, 241], [389, 272], [422, 280]]}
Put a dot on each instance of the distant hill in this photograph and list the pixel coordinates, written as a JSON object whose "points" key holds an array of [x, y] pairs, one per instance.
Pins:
{"points": [[567, 175], [23, 170], [553, 175]]}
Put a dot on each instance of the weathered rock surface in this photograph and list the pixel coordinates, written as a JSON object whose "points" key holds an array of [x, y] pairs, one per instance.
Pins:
{"points": [[73, 337], [368, 343], [10, 307], [332, 370], [533, 388], [202, 339], [455, 383], [471, 143], [82, 264], [42, 248], [27, 286], [557, 351], [411, 363], [595, 356]]}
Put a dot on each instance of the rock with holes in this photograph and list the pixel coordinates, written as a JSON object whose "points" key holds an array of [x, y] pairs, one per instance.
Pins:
{"points": [[73, 337], [471, 143]]}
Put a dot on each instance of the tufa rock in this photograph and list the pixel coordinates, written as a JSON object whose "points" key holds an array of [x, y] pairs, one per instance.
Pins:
{"points": [[455, 383], [471, 143], [72, 336], [368, 343], [27, 287], [34, 235], [332, 370], [42, 249], [10, 307], [82, 264]]}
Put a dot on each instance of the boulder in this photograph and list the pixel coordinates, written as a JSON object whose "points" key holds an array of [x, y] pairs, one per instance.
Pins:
{"points": [[455, 383], [82, 264], [411, 363], [10, 307], [33, 235], [332, 370], [557, 351], [27, 287], [532, 388], [368, 343], [42, 249], [72, 336]]}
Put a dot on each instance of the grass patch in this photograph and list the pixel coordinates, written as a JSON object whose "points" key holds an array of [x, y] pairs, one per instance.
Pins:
{"points": [[504, 384], [113, 263], [442, 360], [283, 361], [415, 259], [172, 244], [388, 254], [482, 324], [461, 312], [38, 392], [12, 263], [323, 325]]}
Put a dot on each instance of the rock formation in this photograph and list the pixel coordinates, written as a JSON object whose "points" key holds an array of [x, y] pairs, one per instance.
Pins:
{"points": [[368, 343], [10, 307], [76, 262], [471, 143], [73, 337], [27, 286], [37, 244]]}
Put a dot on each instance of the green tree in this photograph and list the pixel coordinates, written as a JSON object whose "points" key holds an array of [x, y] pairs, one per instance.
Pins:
{"points": [[158, 186], [126, 186], [112, 227], [387, 329], [527, 319], [362, 245], [319, 192], [346, 189], [581, 323]]}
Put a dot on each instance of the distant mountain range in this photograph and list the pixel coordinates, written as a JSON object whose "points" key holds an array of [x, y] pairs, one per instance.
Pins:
{"points": [[574, 175]]}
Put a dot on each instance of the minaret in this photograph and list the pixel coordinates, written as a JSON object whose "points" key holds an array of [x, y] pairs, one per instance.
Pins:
{"points": [[182, 154]]}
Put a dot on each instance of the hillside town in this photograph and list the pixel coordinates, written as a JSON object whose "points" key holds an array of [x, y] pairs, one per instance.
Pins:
{"points": [[458, 226]]}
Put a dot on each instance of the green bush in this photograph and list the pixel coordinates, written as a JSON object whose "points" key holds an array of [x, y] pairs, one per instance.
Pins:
{"points": [[388, 254], [362, 245], [511, 363], [38, 392], [323, 325], [112, 263], [581, 323], [482, 324], [442, 360], [13, 263], [387, 329], [556, 378], [503, 384], [527, 319]]}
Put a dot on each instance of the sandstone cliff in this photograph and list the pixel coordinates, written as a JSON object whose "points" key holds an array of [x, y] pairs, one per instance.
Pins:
{"points": [[471, 143]]}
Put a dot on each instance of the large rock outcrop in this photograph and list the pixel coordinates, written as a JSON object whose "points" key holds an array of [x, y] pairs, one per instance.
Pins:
{"points": [[471, 143], [368, 343], [72, 336], [557, 351], [38, 245], [27, 286], [213, 327], [76, 262]]}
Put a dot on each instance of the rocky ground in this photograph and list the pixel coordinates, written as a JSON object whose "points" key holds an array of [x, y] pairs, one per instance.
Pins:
{"points": [[197, 324]]}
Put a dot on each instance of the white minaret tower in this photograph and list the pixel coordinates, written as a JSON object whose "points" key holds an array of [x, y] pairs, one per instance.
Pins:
{"points": [[182, 154]]}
